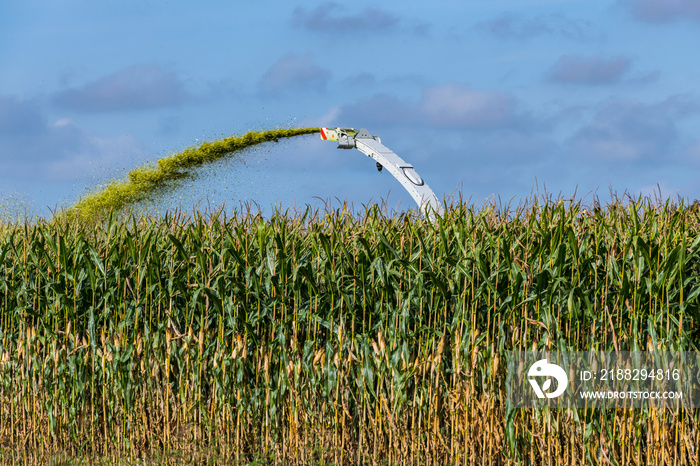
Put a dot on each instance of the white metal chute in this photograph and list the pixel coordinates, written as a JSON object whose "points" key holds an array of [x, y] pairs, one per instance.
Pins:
{"points": [[404, 172]]}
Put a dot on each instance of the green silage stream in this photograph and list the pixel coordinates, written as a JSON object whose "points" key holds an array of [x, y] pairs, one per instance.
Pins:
{"points": [[147, 180]]}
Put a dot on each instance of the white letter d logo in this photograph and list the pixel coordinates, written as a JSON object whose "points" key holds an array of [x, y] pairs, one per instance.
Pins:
{"points": [[543, 369]]}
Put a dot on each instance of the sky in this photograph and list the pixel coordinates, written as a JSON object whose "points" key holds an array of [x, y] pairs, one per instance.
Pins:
{"points": [[490, 100]]}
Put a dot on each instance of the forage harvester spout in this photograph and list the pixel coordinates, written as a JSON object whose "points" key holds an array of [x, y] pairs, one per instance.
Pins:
{"points": [[405, 173]]}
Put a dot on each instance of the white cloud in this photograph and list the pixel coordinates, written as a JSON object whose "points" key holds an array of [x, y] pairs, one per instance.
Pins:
{"points": [[631, 130], [659, 11], [34, 149], [591, 70], [511, 26], [293, 73], [332, 17], [457, 105], [327, 119], [451, 105], [134, 88]]}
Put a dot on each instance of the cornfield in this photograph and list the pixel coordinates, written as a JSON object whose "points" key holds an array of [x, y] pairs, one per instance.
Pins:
{"points": [[335, 337]]}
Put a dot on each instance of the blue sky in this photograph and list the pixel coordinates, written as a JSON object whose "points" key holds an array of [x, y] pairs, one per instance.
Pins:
{"points": [[486, 98]]}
